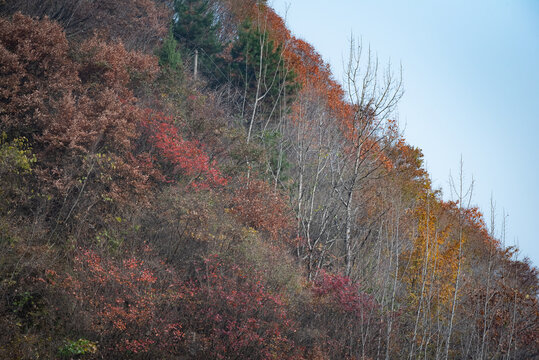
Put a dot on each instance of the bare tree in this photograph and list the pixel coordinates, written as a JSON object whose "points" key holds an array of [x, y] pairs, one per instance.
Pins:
{"points": [[374, 97], [462, 196]]}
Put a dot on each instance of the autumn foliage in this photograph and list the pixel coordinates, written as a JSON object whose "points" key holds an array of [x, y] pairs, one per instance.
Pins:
{"points": [[123, 302], [235, 314], [256, 211], [349, 316], [79, 109], [262, 208], [183, 156], [222, 310]]}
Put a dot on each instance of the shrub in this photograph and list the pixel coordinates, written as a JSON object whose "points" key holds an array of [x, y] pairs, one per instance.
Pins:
{"points": [[76, 348]]}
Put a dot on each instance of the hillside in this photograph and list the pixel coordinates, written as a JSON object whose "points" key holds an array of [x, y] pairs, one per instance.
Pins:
{"points": [[186, 180]]}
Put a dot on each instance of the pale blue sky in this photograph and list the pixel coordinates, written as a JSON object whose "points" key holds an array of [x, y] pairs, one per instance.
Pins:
{"points": [[471, 77]]}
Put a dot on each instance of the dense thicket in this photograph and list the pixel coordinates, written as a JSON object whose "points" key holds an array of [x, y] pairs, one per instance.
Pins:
{"points": [[258, 211]]}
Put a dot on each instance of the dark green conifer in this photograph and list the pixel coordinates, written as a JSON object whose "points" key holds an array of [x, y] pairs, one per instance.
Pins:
{"points": [[195, 26], [256, 58], [169, 54]]}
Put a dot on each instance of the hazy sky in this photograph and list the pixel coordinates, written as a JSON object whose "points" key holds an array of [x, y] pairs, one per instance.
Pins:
{"points": [[471, 77]]}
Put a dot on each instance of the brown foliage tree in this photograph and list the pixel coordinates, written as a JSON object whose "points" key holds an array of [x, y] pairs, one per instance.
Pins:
{"points": [[77, 111], [137, 23], [262, 208]]}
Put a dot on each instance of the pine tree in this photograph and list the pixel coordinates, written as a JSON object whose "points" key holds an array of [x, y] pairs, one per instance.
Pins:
{"points": [[169, 55], [195, 26], [256, 59]]}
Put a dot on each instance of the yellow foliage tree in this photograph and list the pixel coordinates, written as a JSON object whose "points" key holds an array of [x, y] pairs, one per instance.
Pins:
{"points": [[430, 269]]}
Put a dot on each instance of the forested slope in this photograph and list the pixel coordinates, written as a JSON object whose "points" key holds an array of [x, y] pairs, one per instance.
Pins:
{"points": [[253, 209]]}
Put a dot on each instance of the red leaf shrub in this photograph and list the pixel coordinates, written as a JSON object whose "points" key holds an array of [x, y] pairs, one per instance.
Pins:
{"points": [[123, 303], [234, 316], [184, 157], [351, 319], [339, 291]]}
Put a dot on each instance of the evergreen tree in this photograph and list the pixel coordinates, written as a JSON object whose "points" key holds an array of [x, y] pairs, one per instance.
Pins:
{"points": [[170, 61], [195, 26], [169, 55], [257, 60]]}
